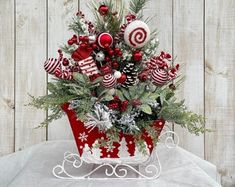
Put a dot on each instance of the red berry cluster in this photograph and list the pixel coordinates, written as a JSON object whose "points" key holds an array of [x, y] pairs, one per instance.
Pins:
{"points": [[130, 17], [117, 104], [111, 57], [82, 41]]}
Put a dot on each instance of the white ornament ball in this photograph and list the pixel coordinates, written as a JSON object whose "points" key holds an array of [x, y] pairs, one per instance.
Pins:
{"points": [[137, 34], [99, 56], [92, 39], [117, 74]]}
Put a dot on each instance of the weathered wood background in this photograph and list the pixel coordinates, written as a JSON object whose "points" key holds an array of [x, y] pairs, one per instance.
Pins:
{"points": [[200, 32]]}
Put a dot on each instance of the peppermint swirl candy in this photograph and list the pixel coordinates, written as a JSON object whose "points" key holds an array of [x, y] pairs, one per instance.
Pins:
{"points": [[137, 34]]}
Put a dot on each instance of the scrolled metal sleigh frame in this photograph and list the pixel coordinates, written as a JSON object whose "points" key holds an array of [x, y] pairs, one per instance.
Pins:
{"points": [[150, 169]]}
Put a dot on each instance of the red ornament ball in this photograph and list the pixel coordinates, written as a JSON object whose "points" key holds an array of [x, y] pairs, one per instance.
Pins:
{"points": [[105, 69], [103, 10], [137, 56], [117, 51], [105, 40], [107, 59], [65, 62], [143, 76], [111, 52], [122, 79], [115, 64]]}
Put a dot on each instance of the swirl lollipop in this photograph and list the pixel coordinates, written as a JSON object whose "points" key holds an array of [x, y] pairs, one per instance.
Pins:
{"points": [[137, 34]]}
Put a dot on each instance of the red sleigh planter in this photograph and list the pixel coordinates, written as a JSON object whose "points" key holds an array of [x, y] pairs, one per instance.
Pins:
{"points": [[85, 137]]}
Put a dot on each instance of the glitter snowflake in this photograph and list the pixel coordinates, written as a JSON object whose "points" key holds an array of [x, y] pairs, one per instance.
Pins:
{"points": [[83, 137]]}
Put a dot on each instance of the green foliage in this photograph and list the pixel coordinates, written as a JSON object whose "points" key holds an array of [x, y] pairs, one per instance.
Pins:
{"points": [[146, 108], [68, 49], [178, 113], [64, 91], [108, 23], [170, 110], [77, 25], [154, 102], [136, 6]]}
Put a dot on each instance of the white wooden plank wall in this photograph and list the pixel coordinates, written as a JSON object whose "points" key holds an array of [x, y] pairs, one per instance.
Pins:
{"points": [[30, 41], [60, 14], [188, 47], [7, 85], [201, 33], [220, 86]]}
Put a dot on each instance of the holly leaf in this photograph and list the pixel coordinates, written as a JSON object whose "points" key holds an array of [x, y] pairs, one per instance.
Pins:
{"points": [[126, 94], [146, 109], [133, 91], [101, 91], [108, 98], [120, 95]]}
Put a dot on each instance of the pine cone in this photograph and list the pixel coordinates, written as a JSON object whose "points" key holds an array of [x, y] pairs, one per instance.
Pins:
{"points": [[131, 74]]}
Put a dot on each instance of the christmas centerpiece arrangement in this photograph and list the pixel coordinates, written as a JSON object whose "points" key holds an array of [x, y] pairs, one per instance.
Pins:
{"points": [[114, 84]]}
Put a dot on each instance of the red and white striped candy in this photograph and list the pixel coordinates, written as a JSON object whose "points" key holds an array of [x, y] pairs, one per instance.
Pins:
{"points": [[58, 72], [109, 81], [66, 74], [51, 65], [88, 66], [159, 76]]}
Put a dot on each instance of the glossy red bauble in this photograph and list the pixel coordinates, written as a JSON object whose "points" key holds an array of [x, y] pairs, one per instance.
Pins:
{"points": [[105, 70], [65, 62], [115, 64], [122, 79], [111, 52], [117, 51], [107, 59], [103, 10], [70, 42], [137, 56], [105, 40]]}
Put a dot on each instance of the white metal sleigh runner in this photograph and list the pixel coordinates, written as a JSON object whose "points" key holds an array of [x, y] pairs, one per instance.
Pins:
{"points": [[92, 167]]}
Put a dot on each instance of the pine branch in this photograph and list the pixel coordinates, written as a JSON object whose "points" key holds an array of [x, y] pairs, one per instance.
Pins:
{"points": [[178, 113], [77, 26], [67, 49], [108, 23], [136, 6]]}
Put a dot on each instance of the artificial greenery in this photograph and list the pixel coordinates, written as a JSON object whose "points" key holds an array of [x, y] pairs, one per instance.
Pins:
{"points": [[153, 102], [136, 6], [109, 23]]}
